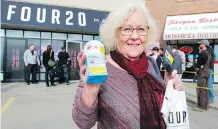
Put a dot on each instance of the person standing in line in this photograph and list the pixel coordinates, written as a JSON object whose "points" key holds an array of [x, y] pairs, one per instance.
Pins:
{"points": [[63, 61], [48, 54], [177, 63], [156, 56], [203, 75], [182, 55], [161, 51], [211, 65], [31, 60]]}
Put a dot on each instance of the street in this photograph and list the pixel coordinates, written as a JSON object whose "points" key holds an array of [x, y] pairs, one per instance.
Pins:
{"points": [[38, 107]]}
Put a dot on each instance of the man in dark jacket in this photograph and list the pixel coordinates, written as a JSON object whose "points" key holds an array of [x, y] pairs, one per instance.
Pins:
{"points": [[203, 75], [156, 56], [48, 55], [177, 63], [63, 61]]}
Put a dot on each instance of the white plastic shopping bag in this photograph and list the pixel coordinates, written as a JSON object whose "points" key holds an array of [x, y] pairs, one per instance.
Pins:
{"points": [[174, 108]]}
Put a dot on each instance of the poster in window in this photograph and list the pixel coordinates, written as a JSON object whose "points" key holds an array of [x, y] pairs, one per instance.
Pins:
{"points": [[73, 48], [15, 62]]}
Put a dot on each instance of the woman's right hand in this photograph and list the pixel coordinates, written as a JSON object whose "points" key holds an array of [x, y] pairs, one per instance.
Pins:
{"points": [[90, 91]]}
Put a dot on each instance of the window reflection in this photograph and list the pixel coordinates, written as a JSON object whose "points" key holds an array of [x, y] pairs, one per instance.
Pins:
{"points": [[87, 37], [2, 52], [73, 37], [31, 34], [2, 32], [46, 35], [56, 46], [14, 33], [61, 36]]}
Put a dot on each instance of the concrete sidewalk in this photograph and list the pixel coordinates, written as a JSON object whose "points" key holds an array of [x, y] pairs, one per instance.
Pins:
{"points": [[191, 95]]}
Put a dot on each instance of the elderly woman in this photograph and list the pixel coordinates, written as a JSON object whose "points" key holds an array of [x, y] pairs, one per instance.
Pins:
{"points": [[131, 96]]}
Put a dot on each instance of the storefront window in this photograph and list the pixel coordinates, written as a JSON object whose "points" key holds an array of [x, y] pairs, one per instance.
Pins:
{"points": [[56, 46], [191, 52], [2, 57], [14, 63], [216, 62], [75, 37], [61, 36], [87, 37], [31, 34], [46, 35], [36, 43], [44, 44], [2, 32], [14, 33], [97, 38]]}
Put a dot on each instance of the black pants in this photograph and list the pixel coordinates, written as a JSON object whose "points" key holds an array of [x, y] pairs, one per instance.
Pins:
{"points": [[48, 68], [162, 72], [202, 94], [31, 68]]}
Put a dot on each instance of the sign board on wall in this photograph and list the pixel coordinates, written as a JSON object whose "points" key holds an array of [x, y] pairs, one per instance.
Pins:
{"points": [[196, 26], [52, 17]]}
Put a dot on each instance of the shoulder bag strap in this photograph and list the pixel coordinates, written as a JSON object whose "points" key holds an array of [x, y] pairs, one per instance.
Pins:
{"points": [[50, 54]]}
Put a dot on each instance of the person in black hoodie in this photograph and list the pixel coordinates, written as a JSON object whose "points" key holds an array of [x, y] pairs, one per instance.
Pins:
{"points": [[63, 63], [48, 55]]}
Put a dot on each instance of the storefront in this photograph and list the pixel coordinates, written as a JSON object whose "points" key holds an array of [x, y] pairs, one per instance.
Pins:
{"points": [[23, 24], [186, 31]]}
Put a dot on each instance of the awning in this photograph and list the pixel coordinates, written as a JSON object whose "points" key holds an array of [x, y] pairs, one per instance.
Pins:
{"points": [[195, 26]]}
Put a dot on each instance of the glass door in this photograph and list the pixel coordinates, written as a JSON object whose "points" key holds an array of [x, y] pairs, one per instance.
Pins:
{"points": [[15, 49], [73, 48]]}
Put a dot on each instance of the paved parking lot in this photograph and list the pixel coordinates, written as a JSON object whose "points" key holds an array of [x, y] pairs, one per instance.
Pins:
{"points": [[40, 107]]}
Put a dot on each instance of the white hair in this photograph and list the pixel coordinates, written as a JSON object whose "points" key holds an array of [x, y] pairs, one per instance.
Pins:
{"points": [[108, 30]]}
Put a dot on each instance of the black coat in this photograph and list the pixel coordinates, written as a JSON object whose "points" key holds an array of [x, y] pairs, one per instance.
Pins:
{"points": [[46, 58], [63, 58], [211, 51]]}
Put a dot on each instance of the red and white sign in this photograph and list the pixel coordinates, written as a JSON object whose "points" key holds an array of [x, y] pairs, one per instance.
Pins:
{"points": [[186, 49], [196, 26]]}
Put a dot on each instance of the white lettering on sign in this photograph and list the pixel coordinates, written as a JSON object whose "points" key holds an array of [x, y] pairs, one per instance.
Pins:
{"points": [[196, 26], [55, 16], [41, 18], [10, 11], [82, 19], [96, 20], [70, 13], [25, 13], [49, 16], [104, 20]]}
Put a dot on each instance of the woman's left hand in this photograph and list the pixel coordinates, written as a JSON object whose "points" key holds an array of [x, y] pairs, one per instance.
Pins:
{"points": [[177, 82]]}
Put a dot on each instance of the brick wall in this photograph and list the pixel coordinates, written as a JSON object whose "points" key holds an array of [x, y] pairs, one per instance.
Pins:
{"points": [[161, 8]]}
